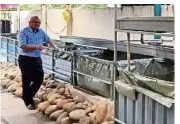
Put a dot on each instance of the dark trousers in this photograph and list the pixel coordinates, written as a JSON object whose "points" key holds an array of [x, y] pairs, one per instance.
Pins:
{"points": [[32, 76]]}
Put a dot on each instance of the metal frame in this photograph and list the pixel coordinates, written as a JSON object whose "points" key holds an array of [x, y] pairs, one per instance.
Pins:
{"points": [[73, 55], [151, 47], [15, 54], [116, 99], [75, 71], [53, 66]]}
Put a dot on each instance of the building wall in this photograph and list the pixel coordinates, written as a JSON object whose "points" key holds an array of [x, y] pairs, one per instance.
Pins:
{"points": [[97, 23]]}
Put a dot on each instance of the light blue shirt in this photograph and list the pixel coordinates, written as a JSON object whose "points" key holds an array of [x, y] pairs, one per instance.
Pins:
{"points": [[29, 37]]}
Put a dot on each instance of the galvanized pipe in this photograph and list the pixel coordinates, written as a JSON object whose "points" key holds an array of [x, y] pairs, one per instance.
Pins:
{"points": [[1, 42], [19, 24], [53, 63], [142, 39], [53, 72], [15, 52], [146, 33], [72, 66], [112, 90], [7, 47], [128, 51], [10, 55], [115, 51], [81, 73]]}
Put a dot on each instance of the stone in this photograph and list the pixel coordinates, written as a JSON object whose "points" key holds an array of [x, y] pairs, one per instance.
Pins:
{"points": [[60, 118], [79, 105], [56, 114], [77, 114], [61, 91], [36, 101], [66, 120], [85, 120], [18, 78], [69, 107], [50, 110], [100, 113], [110, 113], [61, 102]]}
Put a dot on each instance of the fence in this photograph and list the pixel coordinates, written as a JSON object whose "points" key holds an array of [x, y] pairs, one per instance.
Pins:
{"points": [[143, 110], [50, 59], [59, 63]]}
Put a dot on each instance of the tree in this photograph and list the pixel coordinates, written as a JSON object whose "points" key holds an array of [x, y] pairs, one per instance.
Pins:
{"points": [[30, 7], [60, 6]]}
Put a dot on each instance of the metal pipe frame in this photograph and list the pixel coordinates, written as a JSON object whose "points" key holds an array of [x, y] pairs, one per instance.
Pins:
{"points": [[7, 47], [15, 52], [147, 33], [14, 55], [53, 72], [72, 73], [142, 39], [10, 55], [128, 50], [65, 69], [75, 72], [84, 74], [53, 63], [115, 58], [9, 38]]}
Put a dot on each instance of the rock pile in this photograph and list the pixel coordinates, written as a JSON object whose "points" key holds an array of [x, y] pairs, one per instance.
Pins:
{"points": [[59, 101]]}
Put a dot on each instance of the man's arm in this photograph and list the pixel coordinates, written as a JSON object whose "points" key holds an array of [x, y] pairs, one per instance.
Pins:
{"points": [[23, 43], [48, 40], [51, 43], [31, 47]]}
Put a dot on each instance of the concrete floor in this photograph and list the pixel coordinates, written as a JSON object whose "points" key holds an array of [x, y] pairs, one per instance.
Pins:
{"points": [[13, 111]]}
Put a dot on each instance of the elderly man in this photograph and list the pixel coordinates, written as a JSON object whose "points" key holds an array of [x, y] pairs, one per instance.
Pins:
{"points": [[31, 40]]}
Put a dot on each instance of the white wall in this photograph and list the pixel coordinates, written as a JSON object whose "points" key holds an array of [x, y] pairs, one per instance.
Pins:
{"points": [[97, 23]]}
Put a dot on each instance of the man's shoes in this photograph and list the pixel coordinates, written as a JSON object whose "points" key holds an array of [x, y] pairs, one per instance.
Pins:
{"points": [[31, 107]]}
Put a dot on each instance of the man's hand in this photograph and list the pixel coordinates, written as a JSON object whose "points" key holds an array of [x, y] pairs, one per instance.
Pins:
{"points": [[40, 47]]}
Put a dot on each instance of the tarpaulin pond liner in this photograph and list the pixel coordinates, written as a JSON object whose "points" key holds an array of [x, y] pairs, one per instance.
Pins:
{"points": [[154, 67], [141, 99], [164, 88], [96, 69]]}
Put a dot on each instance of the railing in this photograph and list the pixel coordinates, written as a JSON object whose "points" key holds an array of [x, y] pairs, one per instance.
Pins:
{"points": [[59, 63]]}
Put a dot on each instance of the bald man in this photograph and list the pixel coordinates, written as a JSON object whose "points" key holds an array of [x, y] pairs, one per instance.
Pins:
{"points": [[31, 40]]}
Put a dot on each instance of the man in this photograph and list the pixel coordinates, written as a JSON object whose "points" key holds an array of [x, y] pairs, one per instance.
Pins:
{"points": [[31, 40]]}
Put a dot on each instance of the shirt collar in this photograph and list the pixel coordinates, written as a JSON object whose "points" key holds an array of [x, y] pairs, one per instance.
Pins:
{"points": [[31, 30]]}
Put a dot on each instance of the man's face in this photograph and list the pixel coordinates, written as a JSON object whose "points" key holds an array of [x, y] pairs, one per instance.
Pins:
{"points": [[34, 23]]}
